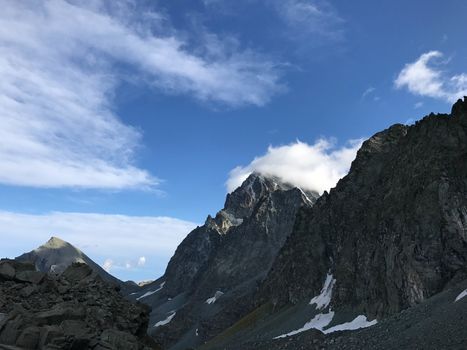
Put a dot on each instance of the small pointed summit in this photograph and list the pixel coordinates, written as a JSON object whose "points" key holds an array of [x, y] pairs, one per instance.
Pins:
{"points": [[55, 242], [56, 255]]}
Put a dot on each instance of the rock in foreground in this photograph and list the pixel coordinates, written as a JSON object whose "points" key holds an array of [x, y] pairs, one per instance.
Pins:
{"points": [[76, 310]]}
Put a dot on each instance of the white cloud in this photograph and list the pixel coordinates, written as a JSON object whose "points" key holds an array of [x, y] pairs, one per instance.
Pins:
{"points": [[425, 78], [310, 17], [308, 22], [142, 261], [368, 92], [110, 240], [61, 63], [315, 167]]}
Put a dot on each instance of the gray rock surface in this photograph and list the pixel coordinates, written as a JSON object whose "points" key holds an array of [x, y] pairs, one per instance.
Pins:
{"points": [[393, 235], [75, 310], [394, 230], [223, 261], [435, 324]]}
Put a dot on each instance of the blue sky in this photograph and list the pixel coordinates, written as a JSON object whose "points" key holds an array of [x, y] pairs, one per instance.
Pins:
{"points": [[124, 124]]}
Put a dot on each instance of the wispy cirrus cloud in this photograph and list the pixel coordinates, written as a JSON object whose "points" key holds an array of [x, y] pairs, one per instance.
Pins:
{"points": [[425, 77], [315, 167], [61, 62], [317, 18], [367, 92], [308, 23], [143, 244]]}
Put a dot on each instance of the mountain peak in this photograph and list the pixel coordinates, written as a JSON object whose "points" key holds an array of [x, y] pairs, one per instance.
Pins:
{"points": [[241, 202], [56, 255], [55, 243]]}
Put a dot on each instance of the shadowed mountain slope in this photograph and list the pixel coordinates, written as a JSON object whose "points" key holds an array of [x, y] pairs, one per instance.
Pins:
{"points": [[210, 280]]}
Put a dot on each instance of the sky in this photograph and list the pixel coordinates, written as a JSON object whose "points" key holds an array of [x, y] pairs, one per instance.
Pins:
{"points": [[125, 123]]}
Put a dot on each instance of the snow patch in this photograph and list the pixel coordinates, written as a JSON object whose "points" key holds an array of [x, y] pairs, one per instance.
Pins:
{"points": [[304, 195], [321, 321], [324, 298], [151, 292], [461, 295], [166, 321], [213, 299], [318, 322], [358, 322], [252, 192]]}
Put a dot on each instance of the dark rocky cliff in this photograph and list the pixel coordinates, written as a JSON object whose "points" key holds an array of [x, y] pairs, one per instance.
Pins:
{"points": [[393, 232], [224, 261]]}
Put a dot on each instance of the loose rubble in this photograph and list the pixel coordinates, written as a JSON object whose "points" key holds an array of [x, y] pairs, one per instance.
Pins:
{"points": [[76, 310]]}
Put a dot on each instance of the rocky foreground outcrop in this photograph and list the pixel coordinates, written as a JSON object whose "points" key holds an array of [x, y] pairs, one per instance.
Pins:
{"points": [[76, 310]]}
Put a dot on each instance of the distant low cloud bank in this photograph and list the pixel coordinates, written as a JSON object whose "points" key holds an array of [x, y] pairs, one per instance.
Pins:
{"points": [[127, 246]]}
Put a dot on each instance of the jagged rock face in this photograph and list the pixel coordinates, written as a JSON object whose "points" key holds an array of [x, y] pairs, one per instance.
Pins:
{"points": [[242, 201], [255, 203], [191, 255], [393, 232], [76, 310], [230, 254], [249, 249], [56, 255]]}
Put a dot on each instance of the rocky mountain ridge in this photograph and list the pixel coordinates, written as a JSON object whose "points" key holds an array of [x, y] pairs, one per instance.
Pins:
{"points": [[390, 236], [394, 230], [210, 280]]}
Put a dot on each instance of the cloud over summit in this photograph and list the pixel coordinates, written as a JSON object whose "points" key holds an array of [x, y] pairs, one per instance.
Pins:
{"points": [[315, 167]]}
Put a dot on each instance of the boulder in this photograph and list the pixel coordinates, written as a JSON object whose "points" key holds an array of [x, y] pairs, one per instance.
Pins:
{"points": [[34, 277], [61, 312], [119, 340], [29, 338], [75, 328], [77, 272], [7, 272]]}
